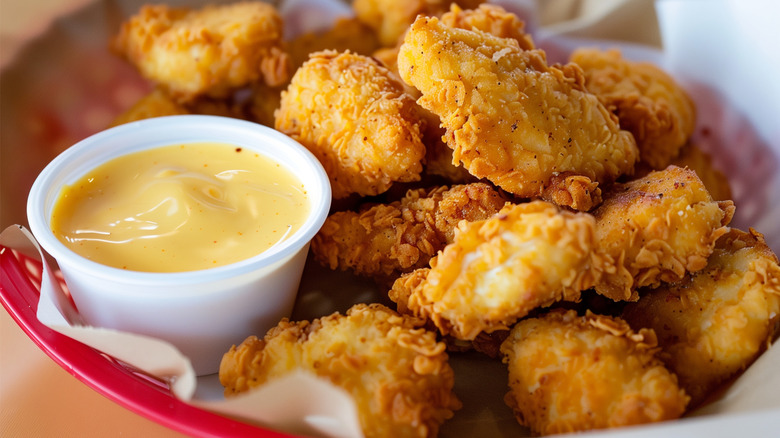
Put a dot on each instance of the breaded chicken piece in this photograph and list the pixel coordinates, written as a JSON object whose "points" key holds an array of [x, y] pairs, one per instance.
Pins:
{"points": [[569, 373], [716, 182], [391, 18], [492, 19], [210, 51], [511, 118], [655, 229], [345, 34], [714, 323], [354, 115], [648, 102], [497, 270], [386, 240], [159, 103], [397, 373]]}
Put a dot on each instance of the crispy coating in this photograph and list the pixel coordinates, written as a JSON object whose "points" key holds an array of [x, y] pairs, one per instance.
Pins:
{"points": [[345, 34], [715, 322], [656, 229], [492, 19], [497, 270], [569, 373], [159, 103], [648, 102], [354, 115], [438, 156], [386, 240], [210, 51], [397, 373], [391, 18], [509, 117]]}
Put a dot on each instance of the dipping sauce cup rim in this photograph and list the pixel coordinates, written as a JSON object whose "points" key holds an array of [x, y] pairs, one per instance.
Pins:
{"points": [[164, 131]]}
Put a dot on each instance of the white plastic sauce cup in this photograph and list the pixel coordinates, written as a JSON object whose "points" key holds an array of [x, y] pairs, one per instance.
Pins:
{"points": [[201, 312]]}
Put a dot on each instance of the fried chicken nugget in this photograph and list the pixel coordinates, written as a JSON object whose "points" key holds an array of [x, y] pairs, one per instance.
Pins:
{"points": [[511, 118], [354, 115], [345, 34], [569, 373], [492, 19], [714, 323], [655, 229], [159, 103], [210, 51], [397, 373], [497, 270], [648, 102], [391, 18], [386, 240]]}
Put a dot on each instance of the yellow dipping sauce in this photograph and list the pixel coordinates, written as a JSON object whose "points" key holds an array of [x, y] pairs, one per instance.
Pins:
{"points": [[180, 208]]}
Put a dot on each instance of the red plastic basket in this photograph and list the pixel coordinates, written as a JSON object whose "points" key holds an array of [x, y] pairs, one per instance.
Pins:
{"points": [[143, 394]]}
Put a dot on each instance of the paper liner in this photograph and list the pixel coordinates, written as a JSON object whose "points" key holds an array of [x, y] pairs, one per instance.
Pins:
{"points": [[743, 139]]}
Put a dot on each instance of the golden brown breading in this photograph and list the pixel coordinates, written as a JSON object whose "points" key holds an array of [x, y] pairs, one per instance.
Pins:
{"points": [[509, 116], [656, 229], [386, 240], [647, 101], [159, 103], [569, 373], [397, 373], [438, 156], [353, 114], [492, 19], [211, 51], [391, 18], [345, 34], [497, 270], [717, 183], [715, 322]]}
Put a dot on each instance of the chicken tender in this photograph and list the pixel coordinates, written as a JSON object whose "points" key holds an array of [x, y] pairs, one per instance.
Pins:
{"points": [[655, 229], [354, 115], [159, 103], [384, 241], [569, 373], [497, 270], [345, 34], [648, 102], [511, 118], [492, 19], [715, 322], [211, 51], [397, 373], [391, 18]]}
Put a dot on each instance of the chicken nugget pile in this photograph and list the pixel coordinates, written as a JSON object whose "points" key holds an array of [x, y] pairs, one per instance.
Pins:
{"points": [[554, 217]]}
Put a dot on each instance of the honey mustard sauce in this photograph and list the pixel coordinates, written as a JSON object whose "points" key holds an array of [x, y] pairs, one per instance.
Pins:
{"points": [[180, 208]]}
